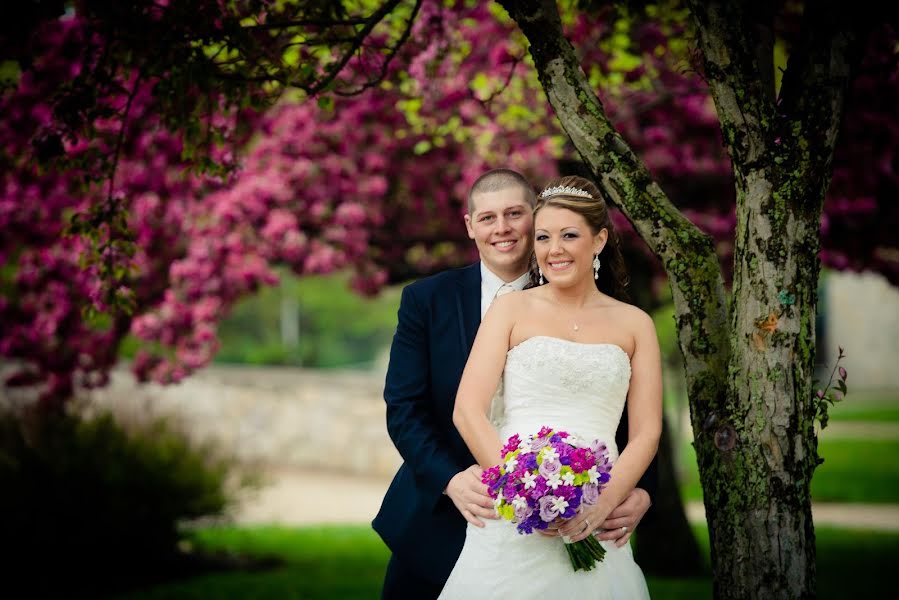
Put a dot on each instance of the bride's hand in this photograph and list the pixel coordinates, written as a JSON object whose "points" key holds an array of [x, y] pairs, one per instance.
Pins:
{"points": [[552, 529], [581, 525]]}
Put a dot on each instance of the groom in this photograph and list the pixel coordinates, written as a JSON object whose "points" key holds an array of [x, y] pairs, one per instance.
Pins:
{"points": [[438, 487]]}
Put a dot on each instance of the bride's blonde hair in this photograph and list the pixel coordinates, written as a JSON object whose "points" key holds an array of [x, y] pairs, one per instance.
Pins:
{"points": [[613, 279]]}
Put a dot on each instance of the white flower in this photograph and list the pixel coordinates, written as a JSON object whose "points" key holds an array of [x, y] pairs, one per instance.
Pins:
{"points": [[568, 478], [572, 440], [554, 481], [593, 474], [549, 453], [519, 502], [559, 504], [530, 480], [524, 445], [511, 464]]}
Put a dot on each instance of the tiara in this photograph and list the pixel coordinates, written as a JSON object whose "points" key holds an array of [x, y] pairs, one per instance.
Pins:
{"points": [[566, 190]]}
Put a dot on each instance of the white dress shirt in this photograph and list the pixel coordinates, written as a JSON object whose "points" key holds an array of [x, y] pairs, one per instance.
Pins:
{"points": [[491, 284], [490, 287]]}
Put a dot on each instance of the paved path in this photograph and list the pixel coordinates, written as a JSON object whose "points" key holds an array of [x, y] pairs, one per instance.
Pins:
{"points": [[293, 497]]}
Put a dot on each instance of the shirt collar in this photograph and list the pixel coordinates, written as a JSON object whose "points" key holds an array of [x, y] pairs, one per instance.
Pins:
{"points": [[491, 282]]}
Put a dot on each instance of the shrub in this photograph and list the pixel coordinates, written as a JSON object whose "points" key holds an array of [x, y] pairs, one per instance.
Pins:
{"points": [[86, 505]]}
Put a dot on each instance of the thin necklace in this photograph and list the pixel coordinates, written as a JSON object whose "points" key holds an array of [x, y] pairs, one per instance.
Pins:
{"points": [[574, 324]]}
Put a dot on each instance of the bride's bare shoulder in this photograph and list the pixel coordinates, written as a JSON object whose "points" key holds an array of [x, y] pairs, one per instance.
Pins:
{"points": [[632, 317]]}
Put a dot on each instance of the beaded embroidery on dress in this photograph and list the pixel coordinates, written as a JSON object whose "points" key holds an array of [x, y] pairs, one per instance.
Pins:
{"points": [[580, 388]]}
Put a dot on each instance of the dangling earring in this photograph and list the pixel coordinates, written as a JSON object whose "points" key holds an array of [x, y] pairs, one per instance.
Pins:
{"points": [[596, 267], [539, 270]]}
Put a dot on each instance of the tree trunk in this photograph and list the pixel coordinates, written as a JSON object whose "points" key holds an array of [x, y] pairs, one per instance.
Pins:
{"points": [[758, 451], [757, 458], [748, 375]]}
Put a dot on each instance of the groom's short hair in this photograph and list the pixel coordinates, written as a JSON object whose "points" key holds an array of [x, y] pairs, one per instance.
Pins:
{"points": [[500, 179]]}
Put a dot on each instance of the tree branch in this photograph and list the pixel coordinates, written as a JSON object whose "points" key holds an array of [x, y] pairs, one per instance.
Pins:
{"points": [[382, 73], [743, 95], [687, 253], [816, 82]]}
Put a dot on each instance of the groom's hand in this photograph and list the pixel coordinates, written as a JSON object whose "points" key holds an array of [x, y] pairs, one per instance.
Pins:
{"points": [[628, 514], [470, 496]]}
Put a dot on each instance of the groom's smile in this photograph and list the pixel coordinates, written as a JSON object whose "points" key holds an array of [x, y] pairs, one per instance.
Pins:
{"points": [[501, 225]]}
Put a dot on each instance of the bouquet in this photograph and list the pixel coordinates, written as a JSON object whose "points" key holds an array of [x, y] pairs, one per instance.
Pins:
{"points": [[547, 477]]}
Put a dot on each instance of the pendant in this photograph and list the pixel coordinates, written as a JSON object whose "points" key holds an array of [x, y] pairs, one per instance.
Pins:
{"points": [[576, 328]]}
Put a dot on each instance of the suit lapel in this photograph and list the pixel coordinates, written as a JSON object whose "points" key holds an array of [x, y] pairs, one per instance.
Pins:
{"points": [[468, 303]]}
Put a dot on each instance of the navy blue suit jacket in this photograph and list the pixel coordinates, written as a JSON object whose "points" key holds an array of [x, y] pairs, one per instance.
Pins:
{"points": [[436, 326]]}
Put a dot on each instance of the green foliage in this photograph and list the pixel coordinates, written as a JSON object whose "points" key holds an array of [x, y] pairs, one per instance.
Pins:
{"points": [[89, 500], [338, 328], [349, 562]]}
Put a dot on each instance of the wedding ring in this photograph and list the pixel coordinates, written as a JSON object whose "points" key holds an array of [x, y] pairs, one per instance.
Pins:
{"points": [[586, 527], [587, 521], [624, 528]]}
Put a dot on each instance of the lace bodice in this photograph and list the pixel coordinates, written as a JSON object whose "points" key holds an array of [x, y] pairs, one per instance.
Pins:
{"points": [[575, 386]]}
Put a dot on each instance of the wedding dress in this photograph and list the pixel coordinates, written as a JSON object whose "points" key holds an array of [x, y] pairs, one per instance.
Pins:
{"points": [[575, 387]]}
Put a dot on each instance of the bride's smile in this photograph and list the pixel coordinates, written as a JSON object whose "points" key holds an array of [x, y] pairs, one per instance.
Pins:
{"points": [[565, 246]]}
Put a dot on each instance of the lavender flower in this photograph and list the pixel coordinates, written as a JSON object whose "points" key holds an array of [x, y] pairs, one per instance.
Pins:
{"points": [[548, 510], [549, 468], [590, 493]]}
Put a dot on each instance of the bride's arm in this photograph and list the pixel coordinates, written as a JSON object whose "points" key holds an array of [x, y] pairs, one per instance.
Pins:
{"points": [[480, 379], [644, 406]]}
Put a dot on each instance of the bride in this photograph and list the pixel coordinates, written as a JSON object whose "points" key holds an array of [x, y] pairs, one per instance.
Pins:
{"points": [[569, 352]]}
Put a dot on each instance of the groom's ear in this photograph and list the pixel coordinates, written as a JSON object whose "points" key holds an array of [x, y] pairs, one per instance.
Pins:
{"points": [[468, 226]]}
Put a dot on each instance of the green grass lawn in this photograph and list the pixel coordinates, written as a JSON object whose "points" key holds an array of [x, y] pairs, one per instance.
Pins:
{"points": [[879, 409], [349, 562], [853, 471]]}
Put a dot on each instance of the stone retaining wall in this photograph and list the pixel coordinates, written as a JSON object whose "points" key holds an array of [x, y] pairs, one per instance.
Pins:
{"points": [[269, 416]]}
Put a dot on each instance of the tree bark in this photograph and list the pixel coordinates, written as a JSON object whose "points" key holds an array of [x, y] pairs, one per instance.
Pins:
{"points": [[756, 470], [749, 375]]}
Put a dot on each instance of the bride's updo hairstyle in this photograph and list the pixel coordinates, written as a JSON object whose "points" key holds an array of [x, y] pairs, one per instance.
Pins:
{"points": [[583, 197]]}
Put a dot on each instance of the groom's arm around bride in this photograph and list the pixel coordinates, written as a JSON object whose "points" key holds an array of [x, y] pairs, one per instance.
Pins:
{"points": [[420, 519]]}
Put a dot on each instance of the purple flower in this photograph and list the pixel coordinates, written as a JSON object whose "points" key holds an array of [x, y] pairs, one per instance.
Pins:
{"points": [[544, 431], [582, 459], [522, 512], [538, 444], [564, 451], [511, 445], [590, 493], [539, 489], [528, 461], [565, 491], [548, 511], [842, 373], [497, 485], [509, 491], [490, 475], [548, 468]]}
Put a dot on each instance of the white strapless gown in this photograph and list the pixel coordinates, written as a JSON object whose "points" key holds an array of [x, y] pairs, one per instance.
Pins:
{"points": [[581, 389]]}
